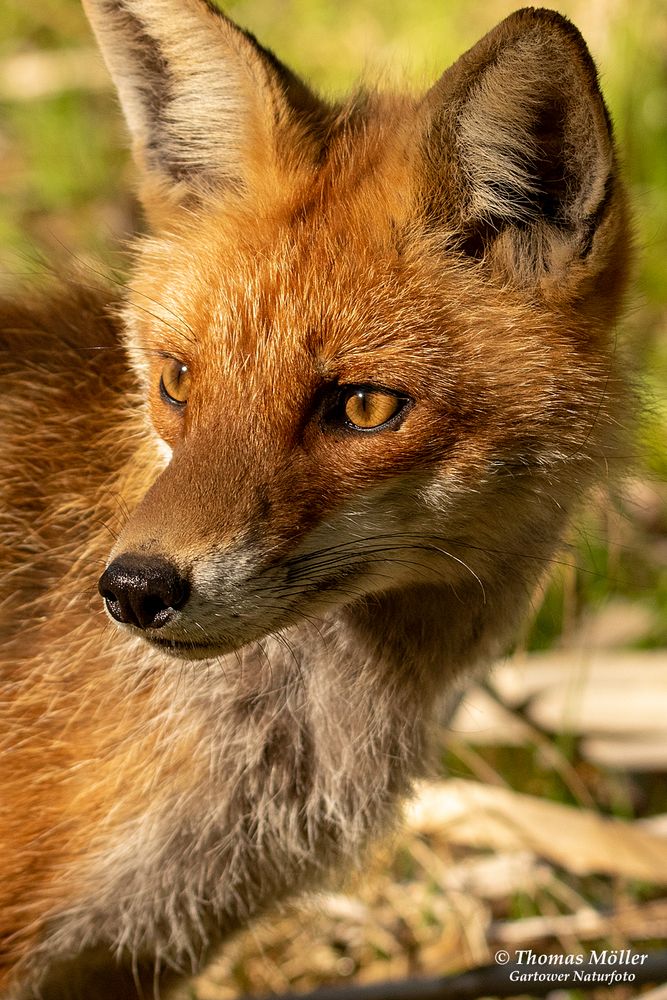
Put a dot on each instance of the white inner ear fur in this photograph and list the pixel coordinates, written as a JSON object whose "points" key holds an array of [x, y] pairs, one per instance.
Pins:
{"points": [[185, 78]]}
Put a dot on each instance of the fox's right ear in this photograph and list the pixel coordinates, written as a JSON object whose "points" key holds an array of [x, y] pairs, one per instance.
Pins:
{"points": [[208, 108]]}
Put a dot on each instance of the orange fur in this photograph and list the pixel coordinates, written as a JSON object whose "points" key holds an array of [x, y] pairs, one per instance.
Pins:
{"points": [[464, 252]]}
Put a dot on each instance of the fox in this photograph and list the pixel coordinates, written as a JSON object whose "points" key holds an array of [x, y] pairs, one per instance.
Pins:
{"points": [[266, 508]]}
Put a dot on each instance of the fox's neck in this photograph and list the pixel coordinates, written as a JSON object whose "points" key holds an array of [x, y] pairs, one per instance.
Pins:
{"points": [[287, 759], [424, 636]]}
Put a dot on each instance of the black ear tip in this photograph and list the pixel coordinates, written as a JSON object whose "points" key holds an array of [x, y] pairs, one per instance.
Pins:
{"points": [[544, 17], [551, 21]]}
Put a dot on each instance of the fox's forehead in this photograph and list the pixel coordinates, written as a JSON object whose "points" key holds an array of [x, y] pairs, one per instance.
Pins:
{"points": [[343, 296], [331, 291], [299, 249]]}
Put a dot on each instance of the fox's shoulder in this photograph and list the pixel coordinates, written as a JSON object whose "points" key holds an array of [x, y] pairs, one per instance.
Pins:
{"points": [[60, 326], [62, 356], [64, 422]]}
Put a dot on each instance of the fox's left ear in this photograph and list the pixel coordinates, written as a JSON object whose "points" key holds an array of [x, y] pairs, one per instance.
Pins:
{"points": [[519, 152], [208, 108]]}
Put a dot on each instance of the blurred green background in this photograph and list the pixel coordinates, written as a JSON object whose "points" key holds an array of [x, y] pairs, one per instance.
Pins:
{"points": [[66, 183]]}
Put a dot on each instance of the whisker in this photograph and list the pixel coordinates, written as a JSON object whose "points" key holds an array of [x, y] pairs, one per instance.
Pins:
{"points": [[362, 552]]}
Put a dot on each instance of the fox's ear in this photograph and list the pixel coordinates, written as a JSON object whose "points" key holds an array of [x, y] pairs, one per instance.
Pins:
{"points": [[206, 105], [518, 146]]}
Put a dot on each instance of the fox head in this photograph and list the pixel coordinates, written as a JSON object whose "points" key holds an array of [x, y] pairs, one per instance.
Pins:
{"points": [[373, 337]]}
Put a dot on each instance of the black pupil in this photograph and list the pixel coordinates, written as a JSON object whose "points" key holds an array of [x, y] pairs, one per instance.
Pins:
{"points": [[173, 379]]}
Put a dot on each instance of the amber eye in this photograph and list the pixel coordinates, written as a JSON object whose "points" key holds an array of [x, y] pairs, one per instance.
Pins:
{"points": [[175, 382], [368, 409]]}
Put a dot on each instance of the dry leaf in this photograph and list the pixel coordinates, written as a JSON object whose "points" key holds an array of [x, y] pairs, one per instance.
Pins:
{"points": [[579, 840]]}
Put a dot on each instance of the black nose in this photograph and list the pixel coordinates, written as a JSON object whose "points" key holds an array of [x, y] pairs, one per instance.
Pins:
{"points": [[142, 590]]}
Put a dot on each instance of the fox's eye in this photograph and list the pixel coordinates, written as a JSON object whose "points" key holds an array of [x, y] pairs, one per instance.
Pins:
{"points": [[368, 409], [175, 382]]}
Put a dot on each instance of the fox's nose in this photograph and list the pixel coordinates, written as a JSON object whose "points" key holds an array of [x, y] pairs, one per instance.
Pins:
{"points": [[142, 590]]}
